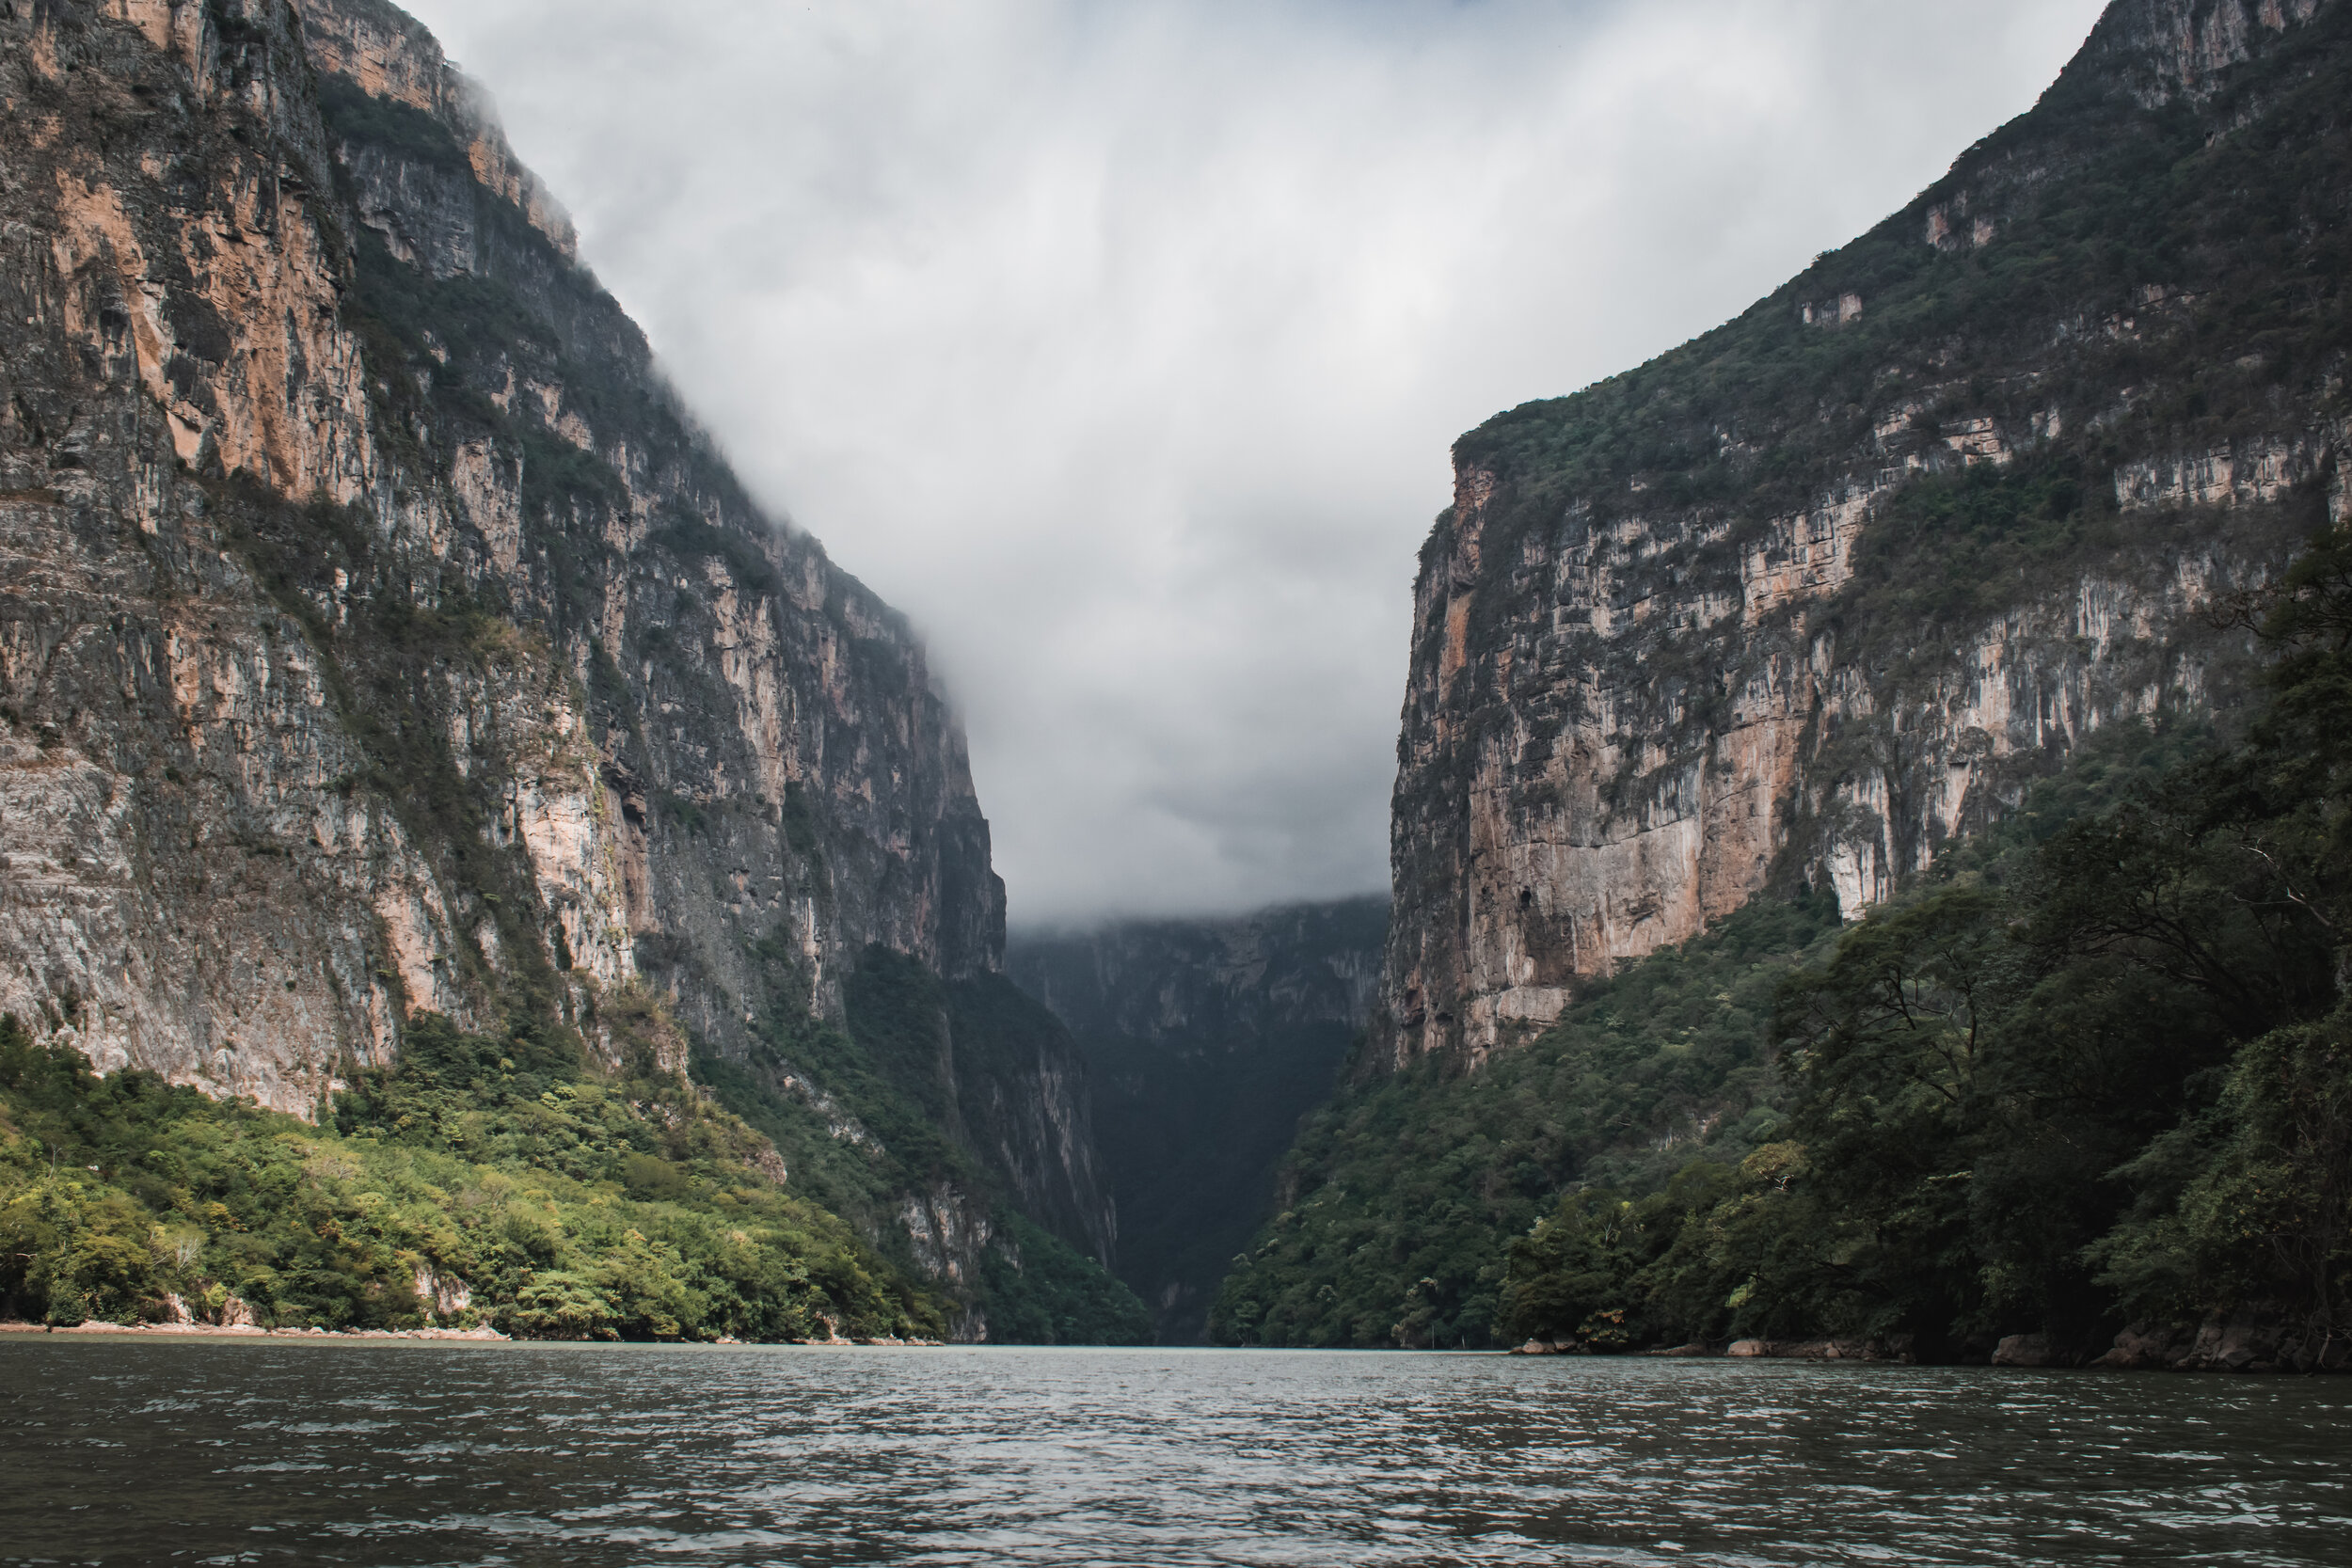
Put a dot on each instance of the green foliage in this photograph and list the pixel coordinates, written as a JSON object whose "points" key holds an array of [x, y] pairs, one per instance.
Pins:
{"points": [[390, 126], [2123, 198], [1950, 553], [558, 478], [1040, 1291], [693, 539], [2152, 281], [901, 1102], [2090, 1067], [1407, 1188], [570, 1205], [2085, 1066], [2251, 1202], [800, 822], [2096, 1068]]}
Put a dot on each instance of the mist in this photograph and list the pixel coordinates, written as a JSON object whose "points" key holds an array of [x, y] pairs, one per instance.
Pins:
{"points": [[1122, 345]]}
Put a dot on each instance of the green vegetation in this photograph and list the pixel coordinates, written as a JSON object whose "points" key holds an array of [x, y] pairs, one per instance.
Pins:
{"points": [[2098, 1068], [2122, 200], [570, 1204], [693, 539], [384, 124], [1401, 1195], [1039, 1291], [2088, 1069], [901, 1102], [569, 1199], [2155, 282], [2095, 1068]]}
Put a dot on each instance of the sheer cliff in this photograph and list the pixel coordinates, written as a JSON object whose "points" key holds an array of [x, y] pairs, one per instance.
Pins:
{"points": [[381, 635], [1806, 598], [1207, 1041]]}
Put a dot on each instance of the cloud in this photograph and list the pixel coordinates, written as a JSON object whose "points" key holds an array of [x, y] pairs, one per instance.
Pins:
{"points": [[1122, 344]]}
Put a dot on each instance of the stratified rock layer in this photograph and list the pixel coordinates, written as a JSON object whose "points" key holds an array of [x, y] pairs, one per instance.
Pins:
{"points": [[1815, 594], [378, 632]]}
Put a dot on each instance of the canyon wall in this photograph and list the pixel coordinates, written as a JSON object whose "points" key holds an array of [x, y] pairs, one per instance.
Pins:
{"points": [[1206, 1041], [380, 633], [1806, 598]]}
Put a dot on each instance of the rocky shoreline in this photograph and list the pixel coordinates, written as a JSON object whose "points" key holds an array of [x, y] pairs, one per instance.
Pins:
{"points": [[2245, 1343], [248, 1331]]}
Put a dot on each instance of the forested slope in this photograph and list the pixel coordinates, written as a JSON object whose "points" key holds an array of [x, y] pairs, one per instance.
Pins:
{"points": [[2093, 1075], [2085, 1086]]}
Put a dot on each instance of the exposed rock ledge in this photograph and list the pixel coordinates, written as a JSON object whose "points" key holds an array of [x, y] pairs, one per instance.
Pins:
{"points": [[2246, 1342]]}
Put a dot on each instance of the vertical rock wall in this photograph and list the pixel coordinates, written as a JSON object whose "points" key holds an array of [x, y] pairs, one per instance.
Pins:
{"points": [[1815, 594], [378, 631]]}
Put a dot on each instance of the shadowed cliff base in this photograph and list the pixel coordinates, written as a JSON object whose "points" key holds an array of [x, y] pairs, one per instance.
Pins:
{"points": [[1206, 1041]]}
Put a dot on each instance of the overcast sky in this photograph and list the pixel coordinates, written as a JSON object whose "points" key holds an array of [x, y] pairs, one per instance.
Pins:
{"points": [[1121, 345]]}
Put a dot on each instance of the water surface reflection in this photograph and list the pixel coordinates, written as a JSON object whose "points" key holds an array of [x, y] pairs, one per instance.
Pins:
{"points": [[282, 1452]]}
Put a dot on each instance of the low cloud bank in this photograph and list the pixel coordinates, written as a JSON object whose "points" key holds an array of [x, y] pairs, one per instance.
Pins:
{"points": [[1122, 344]]}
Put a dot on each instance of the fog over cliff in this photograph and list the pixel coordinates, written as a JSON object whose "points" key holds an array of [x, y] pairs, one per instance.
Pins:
{"points": [[1122, 345]]}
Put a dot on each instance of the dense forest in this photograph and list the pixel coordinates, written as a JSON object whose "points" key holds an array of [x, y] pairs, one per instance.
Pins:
{"points": [[2094, 1070], [485, 1178], [507, 1179]]}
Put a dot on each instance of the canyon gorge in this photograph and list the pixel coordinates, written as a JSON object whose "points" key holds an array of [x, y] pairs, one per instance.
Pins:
{"points": [[411, 727]]}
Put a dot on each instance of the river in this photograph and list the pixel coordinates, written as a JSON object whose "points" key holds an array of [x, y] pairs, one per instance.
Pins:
{"points": [[288, 1452]]}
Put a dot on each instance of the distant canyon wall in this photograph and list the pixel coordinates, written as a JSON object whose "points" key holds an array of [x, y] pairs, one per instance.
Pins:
{"points": [[1206, 1041]]}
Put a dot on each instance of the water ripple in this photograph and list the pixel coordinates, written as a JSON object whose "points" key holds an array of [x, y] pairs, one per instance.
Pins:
{"points": [[427, 1454]]}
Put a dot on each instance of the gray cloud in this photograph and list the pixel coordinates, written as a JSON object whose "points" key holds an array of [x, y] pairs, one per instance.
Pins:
{"points": [[1122, 344]]}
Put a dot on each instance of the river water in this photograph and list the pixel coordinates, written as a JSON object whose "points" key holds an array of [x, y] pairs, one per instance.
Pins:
{"points": [[290, 1452]]}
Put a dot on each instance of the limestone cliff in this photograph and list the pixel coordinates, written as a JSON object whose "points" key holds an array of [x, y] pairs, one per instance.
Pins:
{"points": [[379, 631], [1813, 593], [1207, 1040]]}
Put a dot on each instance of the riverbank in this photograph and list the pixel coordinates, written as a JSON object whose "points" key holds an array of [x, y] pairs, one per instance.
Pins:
{"points": [[2245, 1343], [94, 1327]]}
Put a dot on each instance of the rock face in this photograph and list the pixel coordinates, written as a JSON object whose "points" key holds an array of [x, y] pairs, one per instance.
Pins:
{"points": [[1809, 596], [379, 633], [1206, 1041]]}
